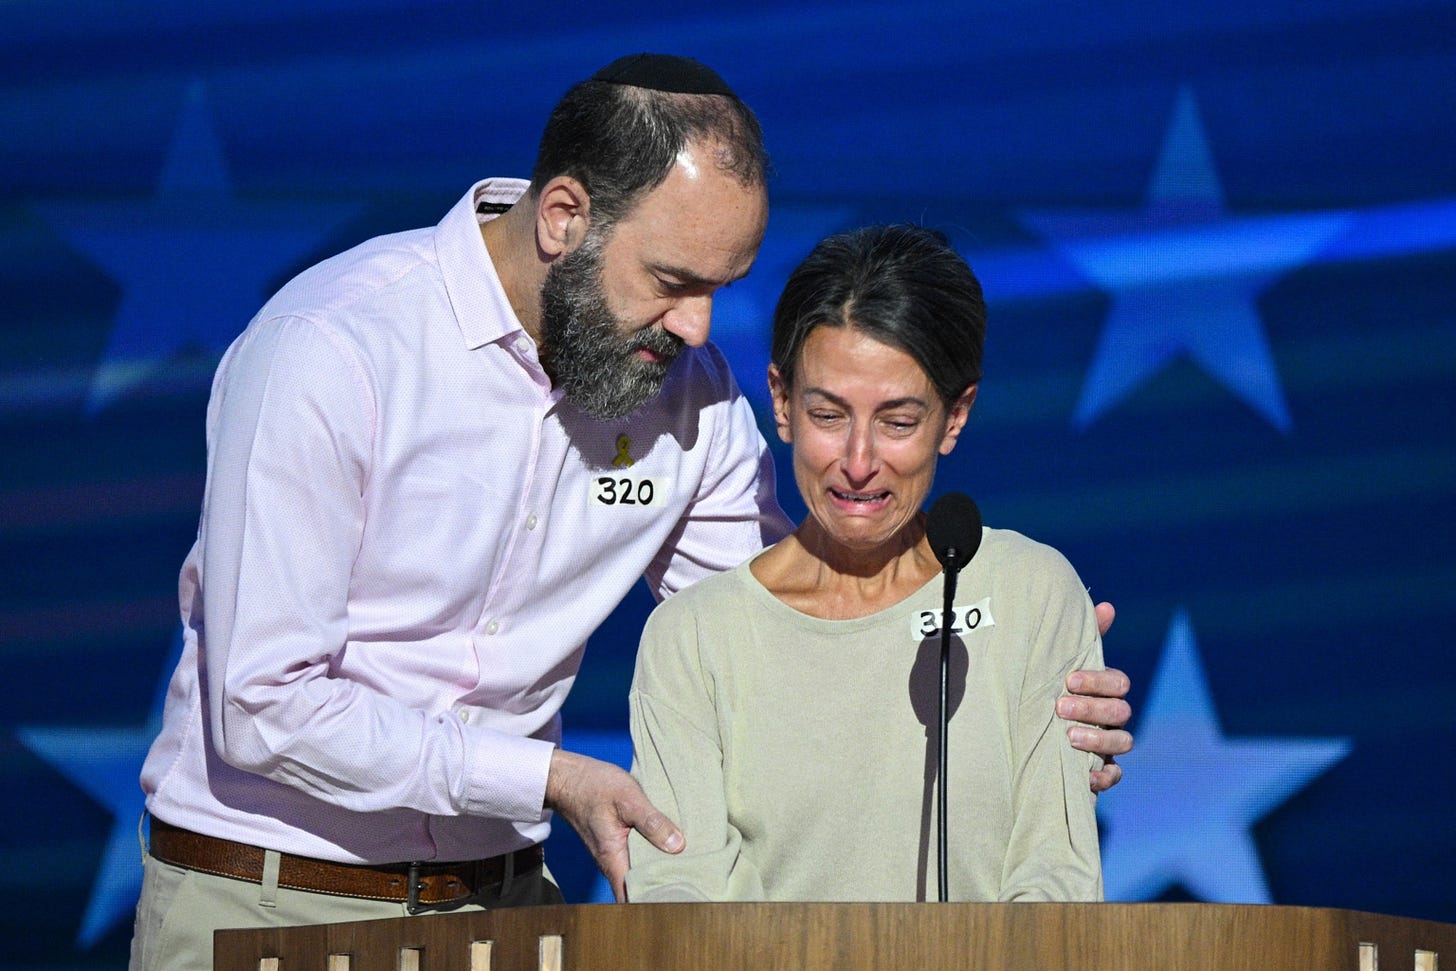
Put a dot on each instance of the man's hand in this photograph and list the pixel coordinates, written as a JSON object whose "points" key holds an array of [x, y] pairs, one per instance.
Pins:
{"points": [[1096, 700], [603, 804]]}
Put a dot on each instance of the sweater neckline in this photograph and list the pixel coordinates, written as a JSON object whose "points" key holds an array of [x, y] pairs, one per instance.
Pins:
{"points": [[785, 612]]}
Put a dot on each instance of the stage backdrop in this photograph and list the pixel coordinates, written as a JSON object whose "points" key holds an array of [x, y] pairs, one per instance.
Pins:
{"points": [[1219, 246]]}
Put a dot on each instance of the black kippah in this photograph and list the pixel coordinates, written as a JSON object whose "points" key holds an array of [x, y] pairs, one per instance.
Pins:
{"points": [[664, 72]]}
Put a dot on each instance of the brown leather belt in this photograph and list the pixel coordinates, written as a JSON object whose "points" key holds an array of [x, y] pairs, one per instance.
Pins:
{"points": [[415, 884]]}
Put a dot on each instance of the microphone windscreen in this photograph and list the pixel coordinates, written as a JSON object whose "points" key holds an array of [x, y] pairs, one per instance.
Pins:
{"points": [[954, 523]]}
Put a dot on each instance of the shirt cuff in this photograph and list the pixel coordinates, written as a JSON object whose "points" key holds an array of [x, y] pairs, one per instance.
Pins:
{"points": [[505, 776]]}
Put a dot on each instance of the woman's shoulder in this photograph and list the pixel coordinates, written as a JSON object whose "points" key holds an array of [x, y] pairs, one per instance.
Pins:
{"points": [[1011, 544], [1013, 554], [707, 597], [689, 634]]}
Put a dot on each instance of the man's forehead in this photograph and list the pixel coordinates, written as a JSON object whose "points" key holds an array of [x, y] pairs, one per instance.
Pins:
{"points": [[698, 194]]}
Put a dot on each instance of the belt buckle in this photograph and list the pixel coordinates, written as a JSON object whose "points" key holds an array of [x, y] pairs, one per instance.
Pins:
{"points": [[413, 886]]}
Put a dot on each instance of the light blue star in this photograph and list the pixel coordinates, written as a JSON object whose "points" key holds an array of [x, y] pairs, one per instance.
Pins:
{"points": [[1183, 815], [193, 262], [1183, 276], [106, 764]]}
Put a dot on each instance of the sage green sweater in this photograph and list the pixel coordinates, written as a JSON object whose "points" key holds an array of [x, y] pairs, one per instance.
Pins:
{"points": [[798, 754]]}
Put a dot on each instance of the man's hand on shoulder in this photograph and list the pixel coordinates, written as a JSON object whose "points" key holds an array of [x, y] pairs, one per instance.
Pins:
{"points": [[603, 804], [1097, 700]]}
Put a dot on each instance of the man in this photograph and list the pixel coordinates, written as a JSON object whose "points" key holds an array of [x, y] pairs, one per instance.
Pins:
{"points": [[436, 463]]}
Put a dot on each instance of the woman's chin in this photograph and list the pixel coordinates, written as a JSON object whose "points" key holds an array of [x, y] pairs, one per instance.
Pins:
{"points": [[861, 534]]}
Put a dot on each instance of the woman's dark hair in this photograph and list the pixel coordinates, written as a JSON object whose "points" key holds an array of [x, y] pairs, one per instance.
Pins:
{"points": [[620, 141], [902, 285]]}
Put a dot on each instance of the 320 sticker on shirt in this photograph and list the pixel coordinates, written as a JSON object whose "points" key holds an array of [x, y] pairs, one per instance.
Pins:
{"points": [[629, 490], [963, 620]]}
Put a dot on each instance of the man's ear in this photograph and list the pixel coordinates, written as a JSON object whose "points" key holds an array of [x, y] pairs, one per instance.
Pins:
{"points": [[960, 410], [563, 212], [779, 392]]}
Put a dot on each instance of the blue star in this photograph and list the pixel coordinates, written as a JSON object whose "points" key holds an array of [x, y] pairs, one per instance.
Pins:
{"points": [[193, 262], [1183, 814], [1183, 276], [106, 764]]}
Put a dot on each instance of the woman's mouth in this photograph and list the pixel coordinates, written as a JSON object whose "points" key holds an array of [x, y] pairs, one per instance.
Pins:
{"points": [[858, 498]]}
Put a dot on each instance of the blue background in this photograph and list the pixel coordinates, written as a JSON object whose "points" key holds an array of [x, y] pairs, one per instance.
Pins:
{"points": [[1219, 246]]}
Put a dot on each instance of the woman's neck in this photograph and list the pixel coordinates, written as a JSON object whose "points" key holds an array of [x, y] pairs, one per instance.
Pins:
{"points": [[821, 578]]}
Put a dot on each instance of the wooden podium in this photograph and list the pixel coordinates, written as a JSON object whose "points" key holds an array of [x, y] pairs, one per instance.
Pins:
{"points": [[850, 937]]}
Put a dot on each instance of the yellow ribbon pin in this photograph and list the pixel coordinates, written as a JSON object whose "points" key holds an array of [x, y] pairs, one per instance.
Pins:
{"points": [[623, 459]]}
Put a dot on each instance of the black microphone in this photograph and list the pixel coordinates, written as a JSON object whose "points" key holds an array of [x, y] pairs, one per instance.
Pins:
{"points": [[953, 528], [954, 531]]}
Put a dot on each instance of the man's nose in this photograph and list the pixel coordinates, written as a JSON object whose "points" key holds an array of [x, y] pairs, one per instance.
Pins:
{"points": [[690, 319]]}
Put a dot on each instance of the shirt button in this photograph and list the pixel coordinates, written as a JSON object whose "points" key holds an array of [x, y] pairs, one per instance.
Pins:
{"points": [[492, 627], [465, 714], [531, 521]]}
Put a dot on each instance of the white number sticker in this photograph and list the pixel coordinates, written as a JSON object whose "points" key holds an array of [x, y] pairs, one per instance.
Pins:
{"points": [[627, 490], [963, 620]]}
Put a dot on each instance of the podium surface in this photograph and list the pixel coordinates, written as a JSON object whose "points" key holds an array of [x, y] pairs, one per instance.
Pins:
{"points": [[852, 936]]}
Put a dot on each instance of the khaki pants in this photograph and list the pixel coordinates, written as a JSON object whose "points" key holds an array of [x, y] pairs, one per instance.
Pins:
{"points": [[179, 909]]}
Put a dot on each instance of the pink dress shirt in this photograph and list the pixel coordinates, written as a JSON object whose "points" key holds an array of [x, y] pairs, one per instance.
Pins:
{"points": [[406, 538]]}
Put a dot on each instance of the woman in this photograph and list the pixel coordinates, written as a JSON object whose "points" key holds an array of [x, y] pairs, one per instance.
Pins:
{"points": [[784, 713]]}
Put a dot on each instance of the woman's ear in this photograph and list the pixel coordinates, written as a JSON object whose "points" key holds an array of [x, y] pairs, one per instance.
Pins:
{"points": [[960, 410], [563, 213], [779, 391]]}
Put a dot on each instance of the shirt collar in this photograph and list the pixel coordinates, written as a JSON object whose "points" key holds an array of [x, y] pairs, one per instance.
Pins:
{"points": [[481, 307]]}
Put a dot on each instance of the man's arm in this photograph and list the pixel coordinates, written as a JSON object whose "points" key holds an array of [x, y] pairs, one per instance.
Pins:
{"points": [[1097, 701], [290, 450]]}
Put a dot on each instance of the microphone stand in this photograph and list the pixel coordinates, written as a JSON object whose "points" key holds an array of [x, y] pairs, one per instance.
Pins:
{"points": [[953, 527], [947, 612]]}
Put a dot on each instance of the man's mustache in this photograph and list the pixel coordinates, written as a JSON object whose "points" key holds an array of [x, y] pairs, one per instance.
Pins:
{"points": [[660, 342]]}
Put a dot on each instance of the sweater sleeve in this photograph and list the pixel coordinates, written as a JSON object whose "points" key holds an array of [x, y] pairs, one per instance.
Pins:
{"points": [[677, 756], [1053, 851]]}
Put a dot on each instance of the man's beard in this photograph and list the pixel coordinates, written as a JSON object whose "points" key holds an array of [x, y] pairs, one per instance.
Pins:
{"points": [[589, 353]]}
